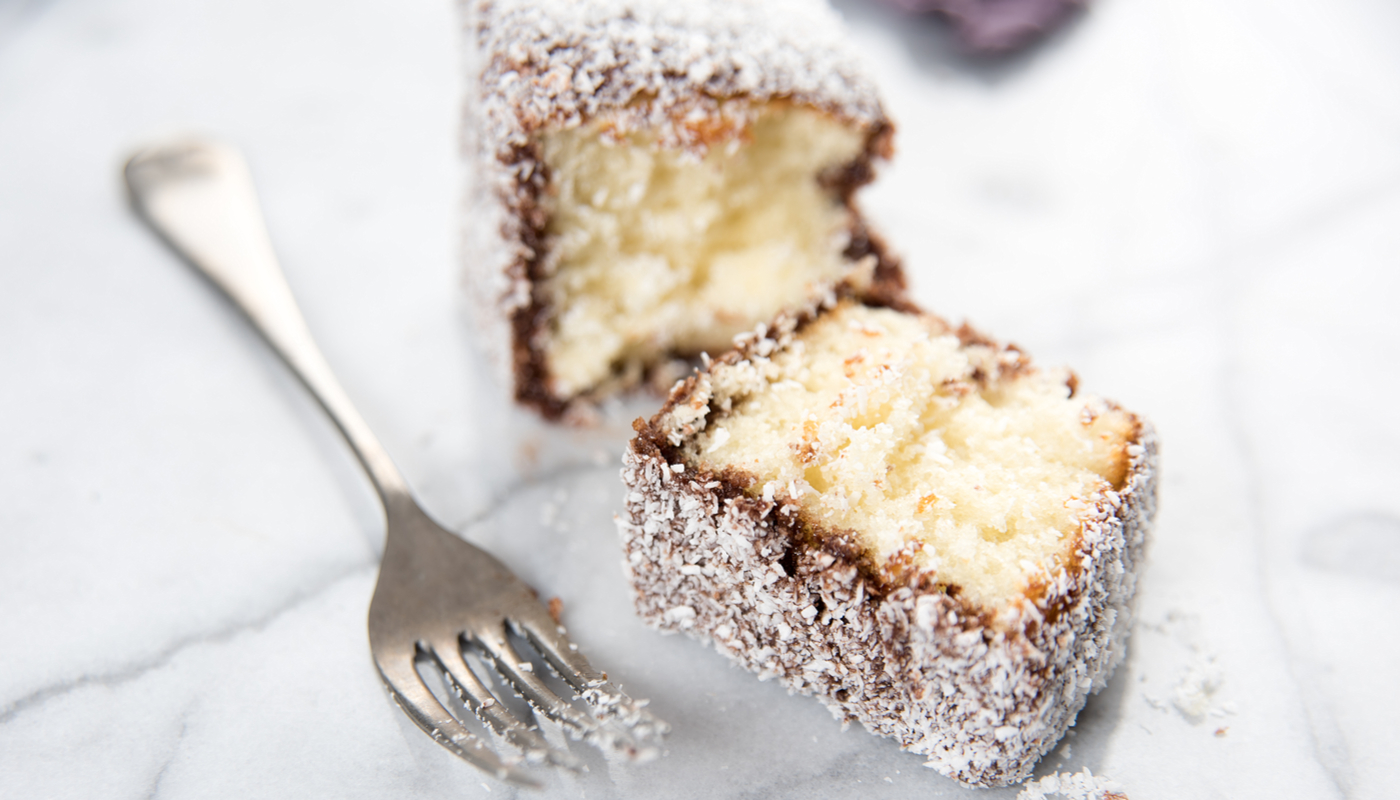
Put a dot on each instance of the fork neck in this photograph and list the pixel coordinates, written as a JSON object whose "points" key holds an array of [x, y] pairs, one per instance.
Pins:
{"points": [[199, 197], [388, 482]]}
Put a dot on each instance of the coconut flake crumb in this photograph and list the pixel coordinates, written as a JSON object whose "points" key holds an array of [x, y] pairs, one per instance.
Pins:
{"points": [[1194, 695], [718, 439], [1194, 692], [1083, 785]]}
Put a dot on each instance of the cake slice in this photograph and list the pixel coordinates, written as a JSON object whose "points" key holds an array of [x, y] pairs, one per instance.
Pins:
{"points": [[652, 178], [914, 523]]}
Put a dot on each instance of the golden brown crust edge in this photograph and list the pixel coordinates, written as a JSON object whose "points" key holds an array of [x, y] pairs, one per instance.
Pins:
{"points": [[529, 322], [982, 702]]}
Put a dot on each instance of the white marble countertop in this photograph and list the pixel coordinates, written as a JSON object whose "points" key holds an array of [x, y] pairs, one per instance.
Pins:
{"points": [[1195, 203]]}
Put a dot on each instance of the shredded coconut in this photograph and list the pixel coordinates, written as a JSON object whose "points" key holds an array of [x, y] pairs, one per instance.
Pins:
{"points": [[1083, 785], [687, 74], [1196, 689], [1195, 693], [981, 701], [562, 62]]}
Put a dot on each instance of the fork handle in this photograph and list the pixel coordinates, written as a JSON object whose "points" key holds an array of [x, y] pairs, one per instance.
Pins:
{"points": [[199, 197]]}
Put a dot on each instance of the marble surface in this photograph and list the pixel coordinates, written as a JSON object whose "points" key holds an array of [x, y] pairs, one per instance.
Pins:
{"points": [[1195, 203]]}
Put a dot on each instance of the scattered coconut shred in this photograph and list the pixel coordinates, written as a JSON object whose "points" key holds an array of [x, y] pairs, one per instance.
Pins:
{"points": [[1083, 785], [1195, 692]]}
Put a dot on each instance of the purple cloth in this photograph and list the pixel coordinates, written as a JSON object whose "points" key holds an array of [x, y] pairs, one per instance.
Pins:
{"points": [[996, 26]]}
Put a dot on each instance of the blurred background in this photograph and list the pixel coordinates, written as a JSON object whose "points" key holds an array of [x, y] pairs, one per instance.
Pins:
{"points": [[1195, 204]]}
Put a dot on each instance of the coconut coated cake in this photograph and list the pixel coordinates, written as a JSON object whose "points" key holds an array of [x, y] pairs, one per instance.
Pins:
{"points": [[917, 525], [652, 178]]}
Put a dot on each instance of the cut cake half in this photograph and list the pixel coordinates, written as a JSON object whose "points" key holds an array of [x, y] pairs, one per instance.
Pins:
{"points": [[912, 522], [652, 178]]}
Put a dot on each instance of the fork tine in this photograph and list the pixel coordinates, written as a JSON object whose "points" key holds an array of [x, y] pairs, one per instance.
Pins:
{"points": [[551, 639], [408, 690], [522, 676], [448, 656]]}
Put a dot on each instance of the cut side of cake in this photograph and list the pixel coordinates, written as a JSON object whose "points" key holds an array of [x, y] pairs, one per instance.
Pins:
{"points": [[654, 178], [908, 520]]}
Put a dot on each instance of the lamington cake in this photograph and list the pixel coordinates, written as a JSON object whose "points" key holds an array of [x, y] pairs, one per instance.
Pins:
{"points": [[914, 523], [652, 178]]}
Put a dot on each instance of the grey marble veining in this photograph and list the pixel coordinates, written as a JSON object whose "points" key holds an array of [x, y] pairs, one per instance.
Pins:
{"points": [[1195, 204]]}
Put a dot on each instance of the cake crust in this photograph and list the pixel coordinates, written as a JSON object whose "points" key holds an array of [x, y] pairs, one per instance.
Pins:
{"points": [[692, 73], [982, 695]]}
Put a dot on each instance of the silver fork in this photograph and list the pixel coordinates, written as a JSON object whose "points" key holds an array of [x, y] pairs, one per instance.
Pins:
{"points": [[436, 593]]}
